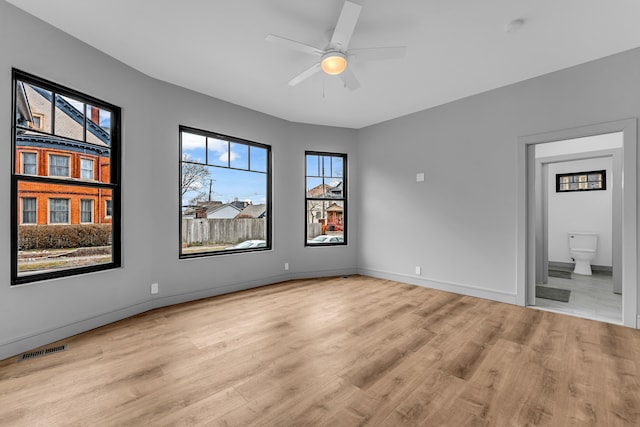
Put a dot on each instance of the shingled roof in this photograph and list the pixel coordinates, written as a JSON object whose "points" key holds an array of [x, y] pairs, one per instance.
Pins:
{"points": [[253, 211]]}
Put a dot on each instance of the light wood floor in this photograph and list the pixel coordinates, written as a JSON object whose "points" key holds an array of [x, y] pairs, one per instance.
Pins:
{"points": [[335, 352]]}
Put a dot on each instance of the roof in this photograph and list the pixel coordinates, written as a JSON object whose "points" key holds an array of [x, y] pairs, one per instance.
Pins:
{"points": [[335, 208], [76, 115], [30, 138], [326, 190], [318, 190], [209, 204], [253, 211], [47, 141], [23, 103], [215, 208]]}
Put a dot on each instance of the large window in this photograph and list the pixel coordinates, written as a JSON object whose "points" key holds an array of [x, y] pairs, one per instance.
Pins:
{"points": [[326, 199], [225, 194], [60, 137]]}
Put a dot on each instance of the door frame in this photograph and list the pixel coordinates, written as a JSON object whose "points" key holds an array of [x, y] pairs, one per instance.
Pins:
{"points": [[526, 221]]}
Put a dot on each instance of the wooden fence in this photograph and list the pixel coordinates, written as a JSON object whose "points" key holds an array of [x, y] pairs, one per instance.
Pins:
{"points": [[313, 229], [222, 231]]}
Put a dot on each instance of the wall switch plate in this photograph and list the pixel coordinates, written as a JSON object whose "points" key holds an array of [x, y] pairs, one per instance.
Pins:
{"points": [[154, 288], [420, 177], [418, 271], [286, 265]]}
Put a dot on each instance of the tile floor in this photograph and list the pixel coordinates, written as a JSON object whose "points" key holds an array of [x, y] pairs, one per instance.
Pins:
{"points": [[591, 297]]}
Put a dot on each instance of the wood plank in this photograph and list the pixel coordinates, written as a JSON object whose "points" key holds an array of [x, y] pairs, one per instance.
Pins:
{"points": [[333, 352]]}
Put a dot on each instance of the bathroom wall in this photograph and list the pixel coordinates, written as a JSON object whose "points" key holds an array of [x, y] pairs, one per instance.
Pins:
{"points": [[580, 211]]}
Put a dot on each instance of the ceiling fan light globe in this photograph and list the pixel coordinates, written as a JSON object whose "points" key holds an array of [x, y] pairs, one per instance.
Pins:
{"points": [[333, 63]]}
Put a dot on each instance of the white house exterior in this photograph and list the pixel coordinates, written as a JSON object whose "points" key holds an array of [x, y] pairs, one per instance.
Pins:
{"points": [[227, 211]]}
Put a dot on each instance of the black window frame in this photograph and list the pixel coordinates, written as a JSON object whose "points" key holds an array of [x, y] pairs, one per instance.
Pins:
{"points": [[343, 199], [114, 185], [269, 201]]}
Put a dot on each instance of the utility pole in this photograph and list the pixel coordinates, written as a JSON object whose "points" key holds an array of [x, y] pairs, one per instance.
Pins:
{"points": [[210, 188]]}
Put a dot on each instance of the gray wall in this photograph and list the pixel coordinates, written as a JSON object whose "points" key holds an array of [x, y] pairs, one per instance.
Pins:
{"points": [[460, 224], [42, 312], [182, 280]]}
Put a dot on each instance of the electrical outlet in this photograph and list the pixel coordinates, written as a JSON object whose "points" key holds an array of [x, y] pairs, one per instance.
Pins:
{"points": [[418, 271], [420, 177], [286, 266], [154, 288]]}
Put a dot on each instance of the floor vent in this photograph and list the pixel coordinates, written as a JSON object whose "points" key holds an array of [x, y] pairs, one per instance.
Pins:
{"points": [[43, 352]]}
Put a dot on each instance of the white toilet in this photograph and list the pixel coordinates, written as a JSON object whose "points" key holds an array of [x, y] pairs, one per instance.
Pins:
{"points": [[582, 247]]}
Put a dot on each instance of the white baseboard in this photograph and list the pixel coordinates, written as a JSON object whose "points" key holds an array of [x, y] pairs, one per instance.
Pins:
{"points": [[167, 300], [325, 273], [19, 345], [163, 301], [458, 288]]}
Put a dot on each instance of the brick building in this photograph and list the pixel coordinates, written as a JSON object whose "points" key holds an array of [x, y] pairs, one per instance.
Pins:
{"points": [[68, 142]]}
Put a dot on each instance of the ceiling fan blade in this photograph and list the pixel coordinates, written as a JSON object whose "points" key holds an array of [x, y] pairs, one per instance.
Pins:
{"points": [[345, 26], [350, 79], [292, 44], [378, 53], [305, 74]]}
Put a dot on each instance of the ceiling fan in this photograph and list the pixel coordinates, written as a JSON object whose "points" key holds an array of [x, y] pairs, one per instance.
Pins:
{"points": [[336, 57]]}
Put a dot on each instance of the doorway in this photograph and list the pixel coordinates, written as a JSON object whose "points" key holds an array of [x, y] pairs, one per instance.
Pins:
{"points": [[590, 206], [532, 263]]}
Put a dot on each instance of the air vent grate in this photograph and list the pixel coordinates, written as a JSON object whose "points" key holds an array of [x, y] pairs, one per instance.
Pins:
{"points": [[43, 352]]}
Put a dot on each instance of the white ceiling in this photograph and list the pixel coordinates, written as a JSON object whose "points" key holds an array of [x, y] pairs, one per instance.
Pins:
{"points": [[455, 48]]}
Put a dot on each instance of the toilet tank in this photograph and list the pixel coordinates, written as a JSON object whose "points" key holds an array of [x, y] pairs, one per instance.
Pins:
{"points": [[583, 240]]}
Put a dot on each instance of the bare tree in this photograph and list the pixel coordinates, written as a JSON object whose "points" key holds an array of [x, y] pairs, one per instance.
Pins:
{"points": [[200, 197], [195, 176]]}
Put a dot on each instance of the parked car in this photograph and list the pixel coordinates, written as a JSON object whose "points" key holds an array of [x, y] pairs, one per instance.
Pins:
{"points": [[249, 244], [325, 239]]}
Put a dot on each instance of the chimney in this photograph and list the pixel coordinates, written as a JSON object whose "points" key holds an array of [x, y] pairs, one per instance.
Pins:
{"points": [[95, 115], [201, 212]]}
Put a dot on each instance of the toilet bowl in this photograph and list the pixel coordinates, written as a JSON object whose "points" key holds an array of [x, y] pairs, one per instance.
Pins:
{"points": [[582, 247]]}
